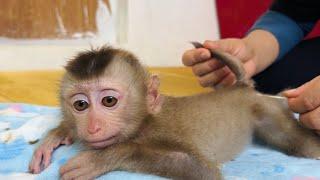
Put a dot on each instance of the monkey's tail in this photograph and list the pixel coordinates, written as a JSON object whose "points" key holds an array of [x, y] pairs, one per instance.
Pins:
{"points": [[232, 62]]}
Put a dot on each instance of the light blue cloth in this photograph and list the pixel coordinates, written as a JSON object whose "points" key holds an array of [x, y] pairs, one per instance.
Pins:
{"points": [[254, 163]]}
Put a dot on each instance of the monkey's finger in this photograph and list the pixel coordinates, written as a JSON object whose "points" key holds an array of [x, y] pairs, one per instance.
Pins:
{"points": [[206, 67], [194, 56], [47, 158], [90, 175], [213, 78], [71, 165], [311, 119], [67, 141], [31, 167], [77, 174], [35, 165]]}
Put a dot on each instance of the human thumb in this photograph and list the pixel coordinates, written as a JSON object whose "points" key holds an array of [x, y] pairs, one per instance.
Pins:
{"points": [[292, 93]]}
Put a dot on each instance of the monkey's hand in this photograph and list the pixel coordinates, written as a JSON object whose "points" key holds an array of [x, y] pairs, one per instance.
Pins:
{"points": [[93, 163], [85, 165], [43, 154]]}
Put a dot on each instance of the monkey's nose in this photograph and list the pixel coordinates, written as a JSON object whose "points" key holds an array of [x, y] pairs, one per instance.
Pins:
{"points": [[93, 130]]}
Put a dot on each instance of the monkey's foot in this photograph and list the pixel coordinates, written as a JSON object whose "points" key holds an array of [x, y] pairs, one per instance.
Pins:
{"points": [[310, 154], [310, 149]]}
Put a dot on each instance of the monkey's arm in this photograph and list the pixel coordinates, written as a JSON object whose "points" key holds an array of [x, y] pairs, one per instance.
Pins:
{"points": [[138, 158], [41, 159]]}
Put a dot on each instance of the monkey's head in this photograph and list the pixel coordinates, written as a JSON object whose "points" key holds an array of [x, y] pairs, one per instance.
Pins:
{"points": [[107, 94]]}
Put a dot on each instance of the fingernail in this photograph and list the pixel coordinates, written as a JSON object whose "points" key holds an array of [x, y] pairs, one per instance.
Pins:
{"points": [[288, 92], [291, 90]]}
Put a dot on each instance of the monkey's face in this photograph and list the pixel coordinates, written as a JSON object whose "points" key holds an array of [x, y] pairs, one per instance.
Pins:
{"points": [[105, 111]]}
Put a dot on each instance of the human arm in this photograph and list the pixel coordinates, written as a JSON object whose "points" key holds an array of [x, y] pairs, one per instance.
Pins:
{"points": [[272, 36]]}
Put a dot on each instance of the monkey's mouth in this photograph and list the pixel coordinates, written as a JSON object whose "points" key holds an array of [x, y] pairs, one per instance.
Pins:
{"points": [[102, 143]]}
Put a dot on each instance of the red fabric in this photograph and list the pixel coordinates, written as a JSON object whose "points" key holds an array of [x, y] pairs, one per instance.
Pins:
{"points": [[237, 16], [315, 32]]}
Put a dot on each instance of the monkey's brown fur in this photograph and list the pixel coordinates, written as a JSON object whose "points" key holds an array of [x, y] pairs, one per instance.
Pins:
{"points": [[175, 137]]}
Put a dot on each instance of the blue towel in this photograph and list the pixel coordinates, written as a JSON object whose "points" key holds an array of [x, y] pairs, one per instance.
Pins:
{"points": [[22, 123]]}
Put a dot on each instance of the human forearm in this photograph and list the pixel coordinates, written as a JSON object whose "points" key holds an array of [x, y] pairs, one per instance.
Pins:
{"points": [[273, 35]]}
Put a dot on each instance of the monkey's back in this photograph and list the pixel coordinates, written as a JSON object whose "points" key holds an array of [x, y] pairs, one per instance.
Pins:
{"points": [[218, 124]]}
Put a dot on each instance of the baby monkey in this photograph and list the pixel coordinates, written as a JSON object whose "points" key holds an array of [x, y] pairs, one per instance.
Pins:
{"points": [[112, 105]]}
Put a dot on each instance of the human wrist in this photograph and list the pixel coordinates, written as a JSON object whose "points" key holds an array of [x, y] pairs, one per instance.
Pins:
{"points": [[264, 47], [250, 47]]}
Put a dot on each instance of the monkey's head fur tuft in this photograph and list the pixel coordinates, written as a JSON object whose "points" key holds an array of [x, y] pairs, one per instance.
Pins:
{"points": [[92, 63]]}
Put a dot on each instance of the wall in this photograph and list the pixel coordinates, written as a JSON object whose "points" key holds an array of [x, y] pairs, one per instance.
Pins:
{"points": [[157, 31], [160, 32], [47, 19]]}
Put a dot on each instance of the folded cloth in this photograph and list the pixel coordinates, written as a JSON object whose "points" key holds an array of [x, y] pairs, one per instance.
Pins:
{"points": [[23, 125]]}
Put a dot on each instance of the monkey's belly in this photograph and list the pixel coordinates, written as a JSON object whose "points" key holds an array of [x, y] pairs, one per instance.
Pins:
{"points": [[224, 141]]}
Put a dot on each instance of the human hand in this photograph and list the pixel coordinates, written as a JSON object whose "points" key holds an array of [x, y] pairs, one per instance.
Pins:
{"points": [[306, 101], [211, 72]]}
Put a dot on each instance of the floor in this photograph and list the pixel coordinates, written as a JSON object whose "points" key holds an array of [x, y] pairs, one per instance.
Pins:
{"points": [[41, 87]]}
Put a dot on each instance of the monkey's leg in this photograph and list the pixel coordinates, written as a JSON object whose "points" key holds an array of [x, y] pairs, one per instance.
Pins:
{"points": [[278, 127], [138, 158], [42, 155], [172, 164]]}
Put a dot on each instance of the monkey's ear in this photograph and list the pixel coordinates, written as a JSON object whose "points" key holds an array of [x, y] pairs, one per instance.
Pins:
{"points": [[154, 98]]}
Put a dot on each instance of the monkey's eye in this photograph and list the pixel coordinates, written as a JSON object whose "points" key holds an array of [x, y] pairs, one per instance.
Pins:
{"points": [[109, 101], [80, 105]]}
